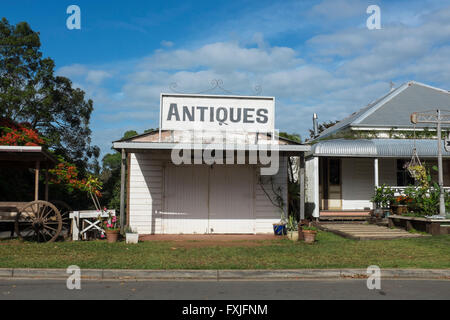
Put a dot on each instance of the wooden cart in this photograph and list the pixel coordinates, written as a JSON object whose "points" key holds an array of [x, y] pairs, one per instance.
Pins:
{"points": [[38, 220]]}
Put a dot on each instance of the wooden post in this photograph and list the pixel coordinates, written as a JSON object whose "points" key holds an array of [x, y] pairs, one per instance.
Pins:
{"points": [[301, 180], [122, 190], [46, 183], [36, 181], [75, 226]]}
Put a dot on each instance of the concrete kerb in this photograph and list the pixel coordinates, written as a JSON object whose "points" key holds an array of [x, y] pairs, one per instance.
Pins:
{"points": [[117, 274]]}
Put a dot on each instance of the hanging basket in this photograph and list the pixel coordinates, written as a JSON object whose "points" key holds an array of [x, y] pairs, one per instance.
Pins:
{"points": [[416, 169]]}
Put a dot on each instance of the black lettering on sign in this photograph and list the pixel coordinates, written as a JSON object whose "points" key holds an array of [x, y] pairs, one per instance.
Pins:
{"points": [[262, 116], [238, 112], [221, 114], [202, 112], [187, 114], [248, 116], [173, 111]]}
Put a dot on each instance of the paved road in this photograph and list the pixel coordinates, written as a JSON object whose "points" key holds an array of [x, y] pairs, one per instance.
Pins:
{"points": [[225, 290]]}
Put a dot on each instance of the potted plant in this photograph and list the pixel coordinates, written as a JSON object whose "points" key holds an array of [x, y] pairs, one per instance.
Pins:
{"points": [[112, 228], [292, 228], [402, 204], [300, 226], [309, 233], [279, 228], [131, 236], [382, 199]]}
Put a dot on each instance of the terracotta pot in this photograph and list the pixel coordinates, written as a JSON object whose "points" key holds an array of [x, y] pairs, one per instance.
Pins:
{"points": [[300, 233], [309, 236], [300, 226], [402, 209], [112, 235]]}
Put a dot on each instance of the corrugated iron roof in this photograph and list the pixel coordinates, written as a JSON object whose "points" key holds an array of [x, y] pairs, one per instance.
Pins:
{"points": [[401, 148], [394, 109]]}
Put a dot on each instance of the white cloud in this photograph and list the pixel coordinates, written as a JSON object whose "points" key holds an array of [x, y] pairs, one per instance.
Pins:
{"points": [[339, 9], [333, 74], [167, 44], [97, 76]]}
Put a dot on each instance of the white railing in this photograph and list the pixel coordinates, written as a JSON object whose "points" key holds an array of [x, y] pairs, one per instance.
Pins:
{"points": [[398, 191]]}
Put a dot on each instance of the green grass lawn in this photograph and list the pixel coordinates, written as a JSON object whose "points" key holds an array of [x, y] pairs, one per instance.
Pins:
{"points": [[330, 251]]}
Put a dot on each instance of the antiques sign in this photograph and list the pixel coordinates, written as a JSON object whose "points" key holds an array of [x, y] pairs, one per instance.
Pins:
{"points": [[217, 112]]}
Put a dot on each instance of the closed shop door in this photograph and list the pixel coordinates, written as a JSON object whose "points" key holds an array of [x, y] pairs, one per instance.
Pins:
{"points": [[203, 199], [186, 200], [231, 199]]}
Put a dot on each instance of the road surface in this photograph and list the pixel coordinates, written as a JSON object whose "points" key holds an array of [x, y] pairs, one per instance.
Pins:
{"points": [[225, 290]]}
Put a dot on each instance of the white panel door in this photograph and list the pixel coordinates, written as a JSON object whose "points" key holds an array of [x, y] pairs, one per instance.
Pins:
{"points": [[231, 199], [186, 200]]}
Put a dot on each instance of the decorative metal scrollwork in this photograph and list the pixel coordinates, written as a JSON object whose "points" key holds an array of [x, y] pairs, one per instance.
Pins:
{"points": [[215, 84]]}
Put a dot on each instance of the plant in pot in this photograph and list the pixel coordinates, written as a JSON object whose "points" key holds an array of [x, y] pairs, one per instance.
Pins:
{"points": [[382, 199], [279, 228], [111, 226], [401, 203], [131, 236], [292, 228], [309, 233], [300, 226]]}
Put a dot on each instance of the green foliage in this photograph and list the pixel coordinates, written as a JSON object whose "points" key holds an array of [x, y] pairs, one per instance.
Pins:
{"points": [[292, 223], [425, 201], [291, 136], [321, 127], [111, 175], [30, 92], [383, 197], [311, 228]]}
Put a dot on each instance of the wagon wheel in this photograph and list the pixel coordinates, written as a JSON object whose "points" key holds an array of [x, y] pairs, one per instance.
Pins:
{"points": [[64, 210], [39, 221]]}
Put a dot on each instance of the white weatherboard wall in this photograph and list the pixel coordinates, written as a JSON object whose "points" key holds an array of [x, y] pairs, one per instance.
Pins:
{"points": [[358, 180], [357, 183], [170, 199]]}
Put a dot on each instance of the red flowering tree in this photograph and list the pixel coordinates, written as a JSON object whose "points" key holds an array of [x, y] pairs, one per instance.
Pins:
{"points": [[65, 173], [18, 134]]}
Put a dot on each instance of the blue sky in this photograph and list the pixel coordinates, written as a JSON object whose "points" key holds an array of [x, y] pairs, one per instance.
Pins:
{"points": [[313, 56]]}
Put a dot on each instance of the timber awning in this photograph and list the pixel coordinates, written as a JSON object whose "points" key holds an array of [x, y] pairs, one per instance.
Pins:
{"points": [[382, 148], [25, 156]]}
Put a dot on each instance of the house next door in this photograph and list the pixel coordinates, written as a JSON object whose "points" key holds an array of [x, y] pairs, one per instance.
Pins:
{"points": [[330, 184]]}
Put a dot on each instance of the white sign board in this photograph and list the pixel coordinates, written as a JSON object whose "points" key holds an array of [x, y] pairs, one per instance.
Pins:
{"points": [[217, 112], [447, 143]]}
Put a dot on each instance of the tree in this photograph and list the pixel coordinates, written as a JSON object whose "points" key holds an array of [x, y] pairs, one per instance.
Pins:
{"points": [[30, 92], [321, 127], [291, 136], [111, 175]]}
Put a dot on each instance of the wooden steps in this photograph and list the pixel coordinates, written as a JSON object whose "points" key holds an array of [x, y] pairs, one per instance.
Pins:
{"points": [[360, 231]]}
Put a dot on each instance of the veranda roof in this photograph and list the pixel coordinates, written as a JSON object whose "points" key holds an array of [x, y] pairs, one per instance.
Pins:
{"points": [[374, 148], [25, 156]]}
